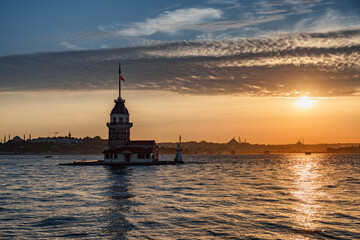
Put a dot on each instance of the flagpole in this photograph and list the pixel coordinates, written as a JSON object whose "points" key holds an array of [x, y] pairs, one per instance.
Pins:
{"points": [[119, 81]]}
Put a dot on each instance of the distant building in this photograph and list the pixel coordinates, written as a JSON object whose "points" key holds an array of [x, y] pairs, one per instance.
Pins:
{"points": [[58, 140], [233, 142], [120, 148], [17, 139]]}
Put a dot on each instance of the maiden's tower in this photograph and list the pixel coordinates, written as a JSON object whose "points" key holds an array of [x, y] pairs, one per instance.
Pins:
{"points": [[120, 148]]}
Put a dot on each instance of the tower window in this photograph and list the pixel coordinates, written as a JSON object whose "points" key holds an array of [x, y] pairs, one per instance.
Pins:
{"points": [[142, 155], [115, 156], [120, 119], [114, 119]]}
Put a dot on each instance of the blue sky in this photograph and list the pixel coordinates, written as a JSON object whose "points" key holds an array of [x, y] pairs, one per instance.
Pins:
{"points": [[49, 25]]}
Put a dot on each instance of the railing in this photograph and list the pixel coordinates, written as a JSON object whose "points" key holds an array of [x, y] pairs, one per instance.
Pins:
{"points": [[119, 123]]}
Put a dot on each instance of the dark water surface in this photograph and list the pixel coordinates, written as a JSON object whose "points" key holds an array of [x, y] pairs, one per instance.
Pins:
{"points": [[290, 196]]}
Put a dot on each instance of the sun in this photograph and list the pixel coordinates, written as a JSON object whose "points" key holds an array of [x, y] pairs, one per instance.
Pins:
{"points": [[305, 102]]}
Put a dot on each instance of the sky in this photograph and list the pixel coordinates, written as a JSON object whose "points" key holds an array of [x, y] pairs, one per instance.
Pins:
{"points": [[272, 72]]}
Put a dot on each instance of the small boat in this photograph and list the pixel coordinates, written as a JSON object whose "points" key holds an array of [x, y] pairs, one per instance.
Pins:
{"points": [[50, 156], [307, 153]]}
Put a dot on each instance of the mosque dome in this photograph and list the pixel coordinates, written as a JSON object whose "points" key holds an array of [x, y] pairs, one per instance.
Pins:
{"points": [[17, 139]]}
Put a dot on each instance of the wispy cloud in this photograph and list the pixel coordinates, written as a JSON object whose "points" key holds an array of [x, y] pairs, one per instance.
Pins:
{"points": [[206, 21], [324, 64], [332, 20], [70, 46], [222, 2], [172, 22], [272, 11], [220, 24], [225, 25]]}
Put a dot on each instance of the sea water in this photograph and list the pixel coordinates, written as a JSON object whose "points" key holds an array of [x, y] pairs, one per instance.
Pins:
{"points": [[285, 196]]}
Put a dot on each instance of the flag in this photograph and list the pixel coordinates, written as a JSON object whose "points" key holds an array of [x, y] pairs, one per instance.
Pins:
{"points": [[120, 77]]}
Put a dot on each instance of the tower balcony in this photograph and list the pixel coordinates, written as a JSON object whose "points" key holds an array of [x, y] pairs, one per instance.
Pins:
{"points": [[119, 124]]}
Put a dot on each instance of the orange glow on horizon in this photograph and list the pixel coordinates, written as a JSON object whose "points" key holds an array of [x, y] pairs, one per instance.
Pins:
{"points": [[163, 116]]}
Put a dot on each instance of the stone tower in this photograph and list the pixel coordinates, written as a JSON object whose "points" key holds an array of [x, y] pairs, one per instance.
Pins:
{"points": [[119, 125]]}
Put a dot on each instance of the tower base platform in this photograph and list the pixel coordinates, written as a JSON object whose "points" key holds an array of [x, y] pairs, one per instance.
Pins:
{"points": [[101, 162]]}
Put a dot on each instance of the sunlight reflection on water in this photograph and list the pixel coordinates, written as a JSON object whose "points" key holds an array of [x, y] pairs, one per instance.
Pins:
{"points": [[307, 185]]}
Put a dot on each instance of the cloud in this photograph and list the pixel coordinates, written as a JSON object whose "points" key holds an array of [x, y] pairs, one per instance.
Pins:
{"points": [[207, 21], [219, 24], [68, 45], [232, 2], [272, 11], [324, 64], [211, 29], [225, 25], [332, 20], [172, 22]]}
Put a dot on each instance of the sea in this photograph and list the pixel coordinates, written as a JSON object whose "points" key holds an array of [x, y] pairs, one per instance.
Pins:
{"points": [[282, 196]]}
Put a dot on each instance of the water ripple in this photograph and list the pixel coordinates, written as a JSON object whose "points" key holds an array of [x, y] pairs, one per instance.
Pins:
{"points": [[290, 196]]}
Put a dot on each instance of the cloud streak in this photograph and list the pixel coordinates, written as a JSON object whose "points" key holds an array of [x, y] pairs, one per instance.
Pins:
{"points": [[257, 21], [172, 22], [70, 46], [332, 20], [323, 64]]}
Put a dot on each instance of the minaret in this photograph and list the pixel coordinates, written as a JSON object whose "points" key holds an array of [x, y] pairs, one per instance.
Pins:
{"points": [[119, 125]]}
